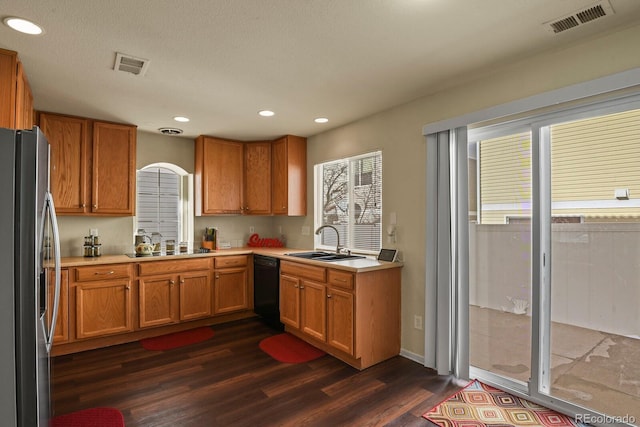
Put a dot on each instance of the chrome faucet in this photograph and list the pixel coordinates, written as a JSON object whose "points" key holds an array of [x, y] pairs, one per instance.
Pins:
{"points": [[338, 247]]}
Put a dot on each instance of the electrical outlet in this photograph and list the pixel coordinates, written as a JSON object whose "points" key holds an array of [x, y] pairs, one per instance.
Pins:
{"points": [[417, 322], [252, 229], [279, 229]]}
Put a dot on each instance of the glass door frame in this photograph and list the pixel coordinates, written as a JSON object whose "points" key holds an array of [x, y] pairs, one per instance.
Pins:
{"points": [[538, 388]]}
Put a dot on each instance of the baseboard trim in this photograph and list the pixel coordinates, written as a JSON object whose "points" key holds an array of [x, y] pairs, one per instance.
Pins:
{"points": [[412, 356]]}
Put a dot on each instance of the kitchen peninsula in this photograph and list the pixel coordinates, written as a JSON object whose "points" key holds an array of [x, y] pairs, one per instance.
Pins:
{"points": [[350, 308]]}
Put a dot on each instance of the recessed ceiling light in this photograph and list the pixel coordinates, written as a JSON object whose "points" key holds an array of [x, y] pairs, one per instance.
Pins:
{"points": [[23, 25], [266, 113], [321, 120], [181, 119]]}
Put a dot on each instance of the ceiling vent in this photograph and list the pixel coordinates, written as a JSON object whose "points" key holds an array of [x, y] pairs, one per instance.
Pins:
{"points": [[170, 131], [131, 64], [582, 16]]}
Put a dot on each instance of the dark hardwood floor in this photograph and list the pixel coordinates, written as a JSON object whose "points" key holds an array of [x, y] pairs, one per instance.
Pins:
{"points": [[229, 381]]}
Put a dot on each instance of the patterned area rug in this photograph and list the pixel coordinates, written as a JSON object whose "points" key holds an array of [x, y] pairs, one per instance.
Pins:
{"points": [[479, 405]]}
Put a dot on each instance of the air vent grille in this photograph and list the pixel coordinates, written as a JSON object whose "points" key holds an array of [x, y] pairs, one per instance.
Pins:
{"points": [[564, 24], [170, 131], [131, 64], [573, 20], [591, 14]]}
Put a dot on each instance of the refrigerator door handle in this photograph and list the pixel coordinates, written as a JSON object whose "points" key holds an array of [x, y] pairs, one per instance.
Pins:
{"points": [[51, 210]]}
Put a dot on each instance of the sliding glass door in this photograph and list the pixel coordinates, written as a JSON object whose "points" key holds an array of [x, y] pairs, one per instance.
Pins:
{"points": [[554, 259], [500, 255], [594, 325]]}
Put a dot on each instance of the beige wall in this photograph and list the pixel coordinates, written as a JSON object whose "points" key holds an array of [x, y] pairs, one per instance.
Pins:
{"points": [[398, 133]]}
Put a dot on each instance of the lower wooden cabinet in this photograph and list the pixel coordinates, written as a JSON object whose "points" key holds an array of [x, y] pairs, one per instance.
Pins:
{"points": [[340, 320], [107, 304], [158, 299], [103, 308], [195, 295], [231, 284], [174, 291], [354, 316]]}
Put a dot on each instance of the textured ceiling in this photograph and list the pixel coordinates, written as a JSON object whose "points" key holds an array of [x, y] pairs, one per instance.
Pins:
{"points": [[220, 61]]}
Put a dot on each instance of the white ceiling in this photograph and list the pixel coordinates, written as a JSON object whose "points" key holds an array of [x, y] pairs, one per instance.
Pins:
{"points": [[220, 61]]}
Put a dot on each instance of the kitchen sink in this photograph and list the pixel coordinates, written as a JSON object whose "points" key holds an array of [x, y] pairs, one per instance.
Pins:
{"points": [[324, 256]]}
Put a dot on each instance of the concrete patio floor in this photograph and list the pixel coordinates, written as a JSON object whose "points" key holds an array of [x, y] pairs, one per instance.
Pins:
{"points": [[589, 368]]}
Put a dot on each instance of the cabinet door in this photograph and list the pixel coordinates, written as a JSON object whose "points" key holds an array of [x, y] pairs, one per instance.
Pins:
{"points": [[340, 320], [289, 169], [195, 295], [231, 290], [313, 309], [103, 308], [280, 175], [114, 161], [290, 301], [8, 64], [24, 100], [158, 301], [257, 173], [61, 333], [219, 176], [67, 137]]}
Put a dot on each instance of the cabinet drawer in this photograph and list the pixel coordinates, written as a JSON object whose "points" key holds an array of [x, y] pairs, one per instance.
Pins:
{"points": [[340, 278], [319, 274], [230, 261], [168, 267], [102, 272]]}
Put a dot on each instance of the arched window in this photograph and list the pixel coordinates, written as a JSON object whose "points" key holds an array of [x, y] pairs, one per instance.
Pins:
{"points": [[164, 202]]}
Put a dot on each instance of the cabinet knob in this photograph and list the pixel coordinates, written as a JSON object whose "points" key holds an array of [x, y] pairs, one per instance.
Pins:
{"points": [[172, 282], [296, 286], [217, 276], [128, 287], [181, 281], [84, 205], [301, 287], [328, 295], [95, 206]]}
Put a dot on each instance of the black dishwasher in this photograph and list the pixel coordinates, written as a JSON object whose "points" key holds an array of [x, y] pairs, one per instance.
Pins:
{"points": [[266, 290]]}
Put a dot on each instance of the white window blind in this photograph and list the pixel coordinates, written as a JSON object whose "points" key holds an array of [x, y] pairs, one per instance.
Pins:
{"points": [[350, 199], [158, 208]]}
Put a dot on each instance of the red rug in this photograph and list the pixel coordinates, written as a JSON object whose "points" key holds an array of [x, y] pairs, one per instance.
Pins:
{"points": [[94, 417], [479, 405], [177, 339], [287, 348]]}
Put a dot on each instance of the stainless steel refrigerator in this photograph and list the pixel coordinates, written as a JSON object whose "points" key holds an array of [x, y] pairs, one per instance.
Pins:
{"points": [[30, 277]]}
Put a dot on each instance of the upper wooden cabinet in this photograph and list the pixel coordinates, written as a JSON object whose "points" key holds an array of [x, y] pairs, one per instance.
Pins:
{"points": [[251, 178], [68, 137], [289, 169], [92, 165], [16, 100], [113, 182], [219, 176], [257, 178]]}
